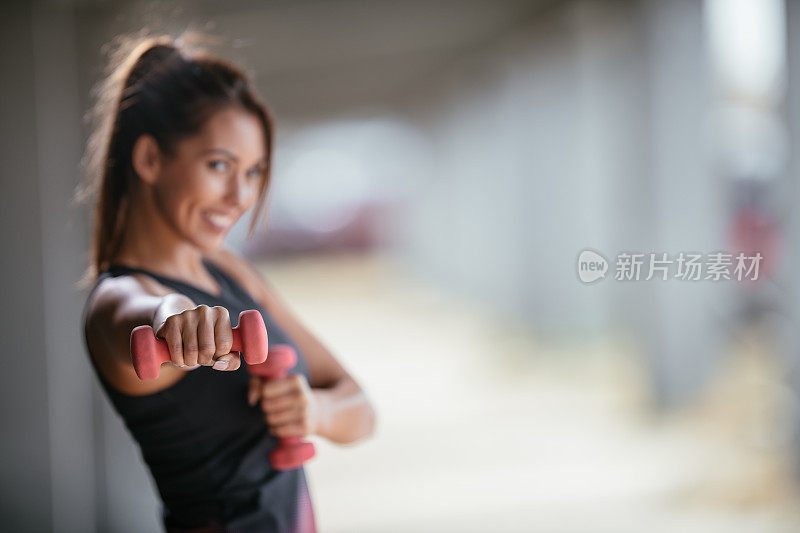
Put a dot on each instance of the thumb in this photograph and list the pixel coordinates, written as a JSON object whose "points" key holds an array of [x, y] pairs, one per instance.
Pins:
{"points": [[229, 361], [254, 390]]}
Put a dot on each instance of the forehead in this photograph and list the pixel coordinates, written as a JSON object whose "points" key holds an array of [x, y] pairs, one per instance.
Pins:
{"points": [[234, 130]]}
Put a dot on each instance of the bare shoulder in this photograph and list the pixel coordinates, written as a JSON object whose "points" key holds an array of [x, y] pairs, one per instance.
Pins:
{"points": [[114, 308], [112, 298], [113, 292], [245, 274]]}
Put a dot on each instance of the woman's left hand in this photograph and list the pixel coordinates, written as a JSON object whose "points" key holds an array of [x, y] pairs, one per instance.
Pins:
{"points": [[290, 407]]}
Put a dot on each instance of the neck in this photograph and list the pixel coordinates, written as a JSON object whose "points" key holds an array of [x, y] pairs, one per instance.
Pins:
{"points": [[150, 242]]}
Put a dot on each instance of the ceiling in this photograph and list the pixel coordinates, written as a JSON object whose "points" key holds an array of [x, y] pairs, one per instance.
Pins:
{"points": [[312, 57]]}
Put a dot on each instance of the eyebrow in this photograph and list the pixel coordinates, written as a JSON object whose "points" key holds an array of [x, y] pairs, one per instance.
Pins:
{"points": [[230, 155]]}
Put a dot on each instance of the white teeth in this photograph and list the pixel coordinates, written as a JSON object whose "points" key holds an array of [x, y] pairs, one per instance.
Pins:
{"points": [[219, 220]]}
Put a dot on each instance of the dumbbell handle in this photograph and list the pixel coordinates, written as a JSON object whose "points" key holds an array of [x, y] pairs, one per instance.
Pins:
{"points": [[291, 452], [150, 352]]}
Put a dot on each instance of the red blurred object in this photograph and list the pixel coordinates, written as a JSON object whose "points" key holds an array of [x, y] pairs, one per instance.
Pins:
{"points": [[755, 231], [364, 231]]}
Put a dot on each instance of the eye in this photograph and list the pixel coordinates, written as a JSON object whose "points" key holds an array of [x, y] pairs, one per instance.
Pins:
{"points": [[218, 165], [255, 172]]}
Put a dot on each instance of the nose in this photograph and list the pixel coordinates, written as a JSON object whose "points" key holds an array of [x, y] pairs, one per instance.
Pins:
{"points": [[238, 191]]}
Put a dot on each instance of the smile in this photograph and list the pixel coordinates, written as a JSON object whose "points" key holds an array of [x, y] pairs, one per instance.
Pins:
{"points": [[219, 222]]}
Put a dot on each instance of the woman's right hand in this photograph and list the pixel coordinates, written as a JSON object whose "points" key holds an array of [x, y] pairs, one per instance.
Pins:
{"points": [[201, 336]]}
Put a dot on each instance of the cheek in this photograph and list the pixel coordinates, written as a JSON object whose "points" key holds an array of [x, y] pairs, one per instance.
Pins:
{"points": [[201, 186], [251, 198], [253, 191], [169, 196], [186, 192]]}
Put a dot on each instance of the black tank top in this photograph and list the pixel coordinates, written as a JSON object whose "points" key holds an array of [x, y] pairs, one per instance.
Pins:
{"points": [[206, 448]]}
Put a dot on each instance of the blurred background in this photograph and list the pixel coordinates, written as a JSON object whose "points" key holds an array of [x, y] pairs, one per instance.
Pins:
{"points": [[439, 167]]}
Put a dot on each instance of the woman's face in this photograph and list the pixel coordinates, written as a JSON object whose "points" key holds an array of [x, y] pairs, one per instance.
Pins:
{"points": [[213, 178]]}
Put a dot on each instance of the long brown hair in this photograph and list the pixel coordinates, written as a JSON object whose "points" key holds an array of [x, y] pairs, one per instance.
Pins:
{"points": [[168, 88]]}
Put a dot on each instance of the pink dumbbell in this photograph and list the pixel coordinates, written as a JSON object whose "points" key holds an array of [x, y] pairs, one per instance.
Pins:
{"points": [[149, 352], [291, 451]]}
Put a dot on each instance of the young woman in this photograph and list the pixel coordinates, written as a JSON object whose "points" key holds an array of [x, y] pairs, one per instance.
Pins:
{"points": [[182, 150]]}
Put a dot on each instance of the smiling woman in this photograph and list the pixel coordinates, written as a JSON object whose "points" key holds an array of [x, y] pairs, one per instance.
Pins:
{"points": [[181, 152], [210, 180]]}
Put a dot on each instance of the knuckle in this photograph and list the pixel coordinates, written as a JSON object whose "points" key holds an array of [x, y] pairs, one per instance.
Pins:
{"points": [[173, 338], [188, 322], [206, 324], [224, 343], [171, 323], [206, 348], [190, 347], [175, 346]]}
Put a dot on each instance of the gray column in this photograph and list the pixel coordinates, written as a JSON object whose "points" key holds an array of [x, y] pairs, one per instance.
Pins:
{"points": [[25, 476], [63, 244]]}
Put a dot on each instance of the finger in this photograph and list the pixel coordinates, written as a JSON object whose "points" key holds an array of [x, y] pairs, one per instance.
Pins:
{"points": [[171, 333], [223, 334], [280, 403], [279, 386], [290, 430], [206, 344], [254, 390], [235, 361], [162, 329], [189, 336], [227, 362], [292, 415]]}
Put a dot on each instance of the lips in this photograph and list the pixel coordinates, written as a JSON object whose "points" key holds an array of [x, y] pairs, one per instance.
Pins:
{"points": [[219, 221]]}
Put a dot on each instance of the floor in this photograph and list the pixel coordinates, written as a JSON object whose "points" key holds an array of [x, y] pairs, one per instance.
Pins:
{"points": [[483, 428]]}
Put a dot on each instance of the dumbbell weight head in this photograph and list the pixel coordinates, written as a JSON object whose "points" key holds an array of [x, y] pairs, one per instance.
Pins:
{"points": [[281, 359], [292, 453], [251, 332]]}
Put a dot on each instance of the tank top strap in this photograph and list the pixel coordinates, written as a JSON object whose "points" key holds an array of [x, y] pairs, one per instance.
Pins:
{"points": [[180, 285], [233, 286]]}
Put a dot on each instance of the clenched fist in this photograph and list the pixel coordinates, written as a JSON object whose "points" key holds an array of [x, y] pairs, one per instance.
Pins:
{"points": [[200, 337], [290, 407]]}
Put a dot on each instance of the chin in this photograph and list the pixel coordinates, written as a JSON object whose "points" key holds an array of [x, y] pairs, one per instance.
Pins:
{"points": [[208, 245], [215, 247]]}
